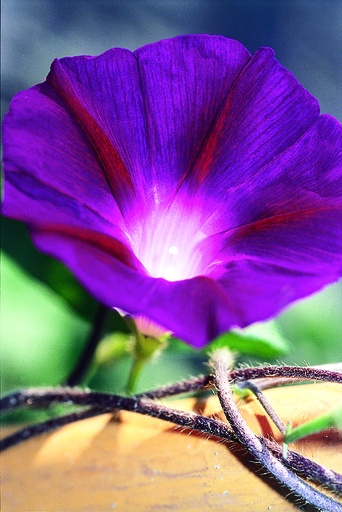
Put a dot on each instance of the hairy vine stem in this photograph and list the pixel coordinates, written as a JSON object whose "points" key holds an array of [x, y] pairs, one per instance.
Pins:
{"points": [[269, 452], [221, 361]]}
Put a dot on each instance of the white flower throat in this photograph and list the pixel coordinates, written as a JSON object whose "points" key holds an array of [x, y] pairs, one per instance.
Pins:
{"points": [[167, 247]]}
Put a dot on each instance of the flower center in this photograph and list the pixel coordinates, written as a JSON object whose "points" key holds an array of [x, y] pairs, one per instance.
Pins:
{"points": [[167, 246]]}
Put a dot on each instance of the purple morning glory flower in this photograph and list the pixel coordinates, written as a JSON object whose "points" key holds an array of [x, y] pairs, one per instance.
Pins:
{"points": [[187, 182]]}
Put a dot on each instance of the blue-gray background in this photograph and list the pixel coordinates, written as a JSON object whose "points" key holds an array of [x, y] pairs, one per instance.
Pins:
{"points": [[307, 38], [306, 35]]}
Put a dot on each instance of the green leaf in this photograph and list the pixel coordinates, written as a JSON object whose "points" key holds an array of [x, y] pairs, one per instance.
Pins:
{"points": [[17, 244], [112, 347], [258, 340], [41, 335], [242, 392], [313, 327], [180, 347], [314, 426]]}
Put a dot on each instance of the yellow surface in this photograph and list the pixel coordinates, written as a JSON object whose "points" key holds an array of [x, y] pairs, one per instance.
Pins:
{"points": [[142, 464]]}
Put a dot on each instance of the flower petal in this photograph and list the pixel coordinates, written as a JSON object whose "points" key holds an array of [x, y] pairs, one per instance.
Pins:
{"points": [[196, 310], [307, 175], [117, 152], [152, 109], [184, 82], [307, 242], [103, 94], [256, 284], [92, 124], [129, 123], [265, 112], [262, 290], [52, 172]]}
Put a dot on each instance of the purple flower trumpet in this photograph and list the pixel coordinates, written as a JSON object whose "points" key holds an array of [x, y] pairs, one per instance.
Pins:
{"points": [[187, 183]]}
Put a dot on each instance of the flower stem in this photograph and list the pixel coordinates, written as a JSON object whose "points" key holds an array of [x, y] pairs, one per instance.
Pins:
{"points": [[136, 369], [143, 349], [265, 404]]}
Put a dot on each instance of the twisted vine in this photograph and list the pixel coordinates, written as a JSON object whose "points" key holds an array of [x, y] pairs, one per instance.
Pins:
{"points": [[293, 471]]}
